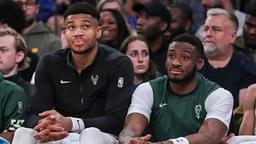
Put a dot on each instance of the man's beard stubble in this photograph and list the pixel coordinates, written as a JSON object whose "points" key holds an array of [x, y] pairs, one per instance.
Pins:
{"points": [[189, 77], [212, 52], [86, 51]]}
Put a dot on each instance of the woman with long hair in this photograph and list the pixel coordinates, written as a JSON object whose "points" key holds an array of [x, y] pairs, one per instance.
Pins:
{"points": [[138, 50]]}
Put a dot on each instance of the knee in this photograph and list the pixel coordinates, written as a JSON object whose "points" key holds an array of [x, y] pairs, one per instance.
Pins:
{"points": [[90, 132], [24, 135], [96, 136], [23, 130]]}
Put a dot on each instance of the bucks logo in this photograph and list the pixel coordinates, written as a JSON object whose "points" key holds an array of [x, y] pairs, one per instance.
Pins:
{"points": [[94, 79], [15, 124], [198, 109]]}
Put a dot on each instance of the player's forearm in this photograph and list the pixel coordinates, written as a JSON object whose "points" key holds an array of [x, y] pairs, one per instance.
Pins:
{"points": [[248, 123], [200, 138], [7, 135]]}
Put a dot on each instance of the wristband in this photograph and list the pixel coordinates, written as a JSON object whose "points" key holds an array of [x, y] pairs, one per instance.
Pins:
{"points": [[180, 140], [77, 124]]}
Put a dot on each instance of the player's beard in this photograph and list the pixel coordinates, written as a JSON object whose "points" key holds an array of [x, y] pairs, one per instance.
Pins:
{"points": [[86, 51], [189, 77]]}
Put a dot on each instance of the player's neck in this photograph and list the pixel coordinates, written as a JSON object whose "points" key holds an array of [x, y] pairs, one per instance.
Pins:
{"points": [[184, 88], [10, 73], [82, 61]]}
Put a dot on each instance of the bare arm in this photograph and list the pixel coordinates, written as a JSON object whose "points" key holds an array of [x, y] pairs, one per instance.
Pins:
{"points": [[248, 123], [7, 135], [134, 127], [211, 132], [242, 95]]}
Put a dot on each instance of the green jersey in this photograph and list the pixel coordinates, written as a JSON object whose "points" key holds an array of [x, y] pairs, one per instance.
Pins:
{"points": [[175, 115], [13, 105], [171, 115]]}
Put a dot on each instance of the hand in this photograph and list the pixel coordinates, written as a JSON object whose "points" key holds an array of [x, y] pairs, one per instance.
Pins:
{"points": [[52, 126], [51, 133], [163, 142], [226, 138], [141, 140], [55, 117]]}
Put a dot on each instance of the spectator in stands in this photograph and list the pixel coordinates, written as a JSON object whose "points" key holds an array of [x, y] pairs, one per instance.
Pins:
{"points": [[138, 50], [39, 38], [114, 28], [14, 58], [247, 42], [12, 15], [229, 69], [228, 6], [181, 20], [198, 12], [153, 22], [111, 4], [118, 5]]}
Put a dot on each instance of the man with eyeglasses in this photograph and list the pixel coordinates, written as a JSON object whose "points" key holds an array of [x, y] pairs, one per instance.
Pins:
{"points": [[39, 38]]}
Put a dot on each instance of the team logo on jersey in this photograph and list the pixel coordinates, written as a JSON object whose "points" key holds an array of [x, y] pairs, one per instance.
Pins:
{"points": [[162, 105], [65, 81], [198, 109], [120, 82], [20, 106], [15, 124], [94, 79]]}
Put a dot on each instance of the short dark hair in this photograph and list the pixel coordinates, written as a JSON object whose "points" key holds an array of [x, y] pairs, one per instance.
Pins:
{"points": [[193, 40], [154, 8], [186, 11], [12, 14], [82, 8], [219, 11]]}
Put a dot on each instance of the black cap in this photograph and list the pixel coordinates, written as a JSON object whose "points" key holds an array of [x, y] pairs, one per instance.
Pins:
{"points": [[154, 8]]}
